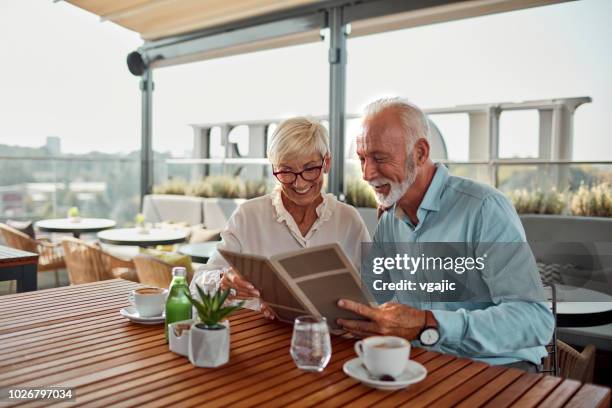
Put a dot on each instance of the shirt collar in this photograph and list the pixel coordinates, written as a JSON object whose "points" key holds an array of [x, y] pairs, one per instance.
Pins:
{"points": [[324, 212], [433, 196]]}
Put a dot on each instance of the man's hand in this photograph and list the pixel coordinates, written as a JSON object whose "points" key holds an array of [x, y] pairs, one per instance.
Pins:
{"points": [[244, 290], [389, 319]]}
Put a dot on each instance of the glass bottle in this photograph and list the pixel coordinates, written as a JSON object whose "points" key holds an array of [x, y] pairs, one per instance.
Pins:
{"points": [[178, 307]]}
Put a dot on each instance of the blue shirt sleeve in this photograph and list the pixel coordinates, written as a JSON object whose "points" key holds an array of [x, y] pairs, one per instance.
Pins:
{"points": [[519, 318]]}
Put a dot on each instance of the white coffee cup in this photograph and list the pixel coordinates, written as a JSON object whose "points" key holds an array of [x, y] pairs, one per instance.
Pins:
{"points": [[384, 355], [149, 302]]}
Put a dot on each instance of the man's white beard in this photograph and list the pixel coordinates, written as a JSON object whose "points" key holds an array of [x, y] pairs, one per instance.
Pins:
{"points": [[397, 190]]}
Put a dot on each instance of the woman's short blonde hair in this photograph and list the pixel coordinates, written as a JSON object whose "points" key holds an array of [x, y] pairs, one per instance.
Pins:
{"points": [[296, 137]]}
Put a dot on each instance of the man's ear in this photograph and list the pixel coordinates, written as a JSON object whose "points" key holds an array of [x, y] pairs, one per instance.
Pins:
{"points": [[421, 151], [326, 164]]}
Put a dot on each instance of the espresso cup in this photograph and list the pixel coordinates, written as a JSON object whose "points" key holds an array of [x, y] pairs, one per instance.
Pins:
{"points": [[149, 302], [384, 355]]}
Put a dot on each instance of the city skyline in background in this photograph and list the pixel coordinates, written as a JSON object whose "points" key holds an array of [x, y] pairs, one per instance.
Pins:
{"points": [[73, 82]]}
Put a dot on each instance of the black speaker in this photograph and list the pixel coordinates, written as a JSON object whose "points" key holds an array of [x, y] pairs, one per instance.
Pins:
{"points": [[135, 63]]}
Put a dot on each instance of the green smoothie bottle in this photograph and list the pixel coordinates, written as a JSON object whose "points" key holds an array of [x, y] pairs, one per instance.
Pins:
{"points": [[178, 306]]}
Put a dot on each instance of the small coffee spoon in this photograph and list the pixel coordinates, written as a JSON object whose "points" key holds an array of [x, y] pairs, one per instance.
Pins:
{"points": [[384, 377]]}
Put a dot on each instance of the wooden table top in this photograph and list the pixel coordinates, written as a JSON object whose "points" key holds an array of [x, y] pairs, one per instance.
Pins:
{"points": [[75, 337], [12, 257]]}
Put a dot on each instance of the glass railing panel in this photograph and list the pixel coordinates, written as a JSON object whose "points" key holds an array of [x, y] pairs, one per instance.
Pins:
{"points": [[37, 188]]}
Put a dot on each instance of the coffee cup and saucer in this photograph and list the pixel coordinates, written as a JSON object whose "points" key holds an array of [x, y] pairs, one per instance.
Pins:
{"points": [[148, 306], [384, 363]]}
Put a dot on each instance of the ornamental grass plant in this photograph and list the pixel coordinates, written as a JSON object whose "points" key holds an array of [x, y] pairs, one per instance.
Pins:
{"points": [[594, 201], [538, 202], [174, 186]]}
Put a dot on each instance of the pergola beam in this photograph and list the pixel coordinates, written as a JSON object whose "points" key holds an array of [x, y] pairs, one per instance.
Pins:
{"points": [[179, 50]]}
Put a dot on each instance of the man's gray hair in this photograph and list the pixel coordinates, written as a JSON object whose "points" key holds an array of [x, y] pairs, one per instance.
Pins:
{"points": [[413, 119]]}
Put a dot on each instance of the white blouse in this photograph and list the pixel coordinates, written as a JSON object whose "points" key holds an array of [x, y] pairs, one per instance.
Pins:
{"points": [[262, 226]]}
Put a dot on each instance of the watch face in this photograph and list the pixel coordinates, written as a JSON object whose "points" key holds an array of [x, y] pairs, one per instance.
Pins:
{"points": [[430, 336]]}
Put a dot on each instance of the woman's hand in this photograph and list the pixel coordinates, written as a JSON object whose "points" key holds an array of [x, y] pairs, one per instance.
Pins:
{"points": [[244, 289], [267, 311]]}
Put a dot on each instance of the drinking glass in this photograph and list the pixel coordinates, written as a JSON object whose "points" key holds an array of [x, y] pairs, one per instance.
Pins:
{"points": [[310, 344]]}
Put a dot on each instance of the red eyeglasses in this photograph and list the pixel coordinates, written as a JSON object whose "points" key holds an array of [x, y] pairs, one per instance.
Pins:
{"points": [[289, 177]]}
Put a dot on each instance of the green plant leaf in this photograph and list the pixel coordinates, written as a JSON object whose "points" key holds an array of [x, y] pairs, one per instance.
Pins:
{"points": [[205, 298], [223, 297], [202, 312]]}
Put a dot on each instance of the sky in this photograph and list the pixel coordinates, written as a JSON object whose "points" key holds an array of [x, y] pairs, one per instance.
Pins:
{"points": [[63, 73]]}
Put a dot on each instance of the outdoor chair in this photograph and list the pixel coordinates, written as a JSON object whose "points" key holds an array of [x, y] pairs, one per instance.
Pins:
{"points": [[50, 257], [152, 271], [563, 360], [89, 263], [550, 363], [579, 366]]}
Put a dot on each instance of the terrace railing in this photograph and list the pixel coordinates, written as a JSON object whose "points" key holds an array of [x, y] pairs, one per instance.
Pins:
{"points": [[33, 188]]}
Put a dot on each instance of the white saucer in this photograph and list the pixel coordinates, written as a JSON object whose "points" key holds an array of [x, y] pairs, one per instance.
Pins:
{"points": [[413, 373], [131, 313]]}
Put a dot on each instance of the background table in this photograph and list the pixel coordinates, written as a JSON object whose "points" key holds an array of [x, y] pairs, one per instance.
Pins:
{"points": [[199, 252], [20, 266], [133, 236], [75, 337], [581, 307], [76, 228]]}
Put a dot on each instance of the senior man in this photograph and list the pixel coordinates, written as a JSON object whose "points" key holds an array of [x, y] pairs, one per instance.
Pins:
{"points": [[428, 205]]}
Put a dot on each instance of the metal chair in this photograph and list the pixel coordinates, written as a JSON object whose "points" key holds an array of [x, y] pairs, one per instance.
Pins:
{"points": [[89, 263], [551, 363], [563, 360], [50, 256]]}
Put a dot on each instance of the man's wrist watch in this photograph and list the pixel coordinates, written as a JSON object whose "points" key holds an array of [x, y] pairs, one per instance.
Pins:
{"points": [[430, 335]]}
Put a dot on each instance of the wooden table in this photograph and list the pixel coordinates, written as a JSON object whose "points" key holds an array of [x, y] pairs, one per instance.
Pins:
{"points": [[135, 237], [75, 337], [20, 266], [76, 228]]}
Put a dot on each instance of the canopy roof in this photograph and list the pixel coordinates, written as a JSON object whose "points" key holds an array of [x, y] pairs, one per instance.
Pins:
{"points": [[155, 19]]}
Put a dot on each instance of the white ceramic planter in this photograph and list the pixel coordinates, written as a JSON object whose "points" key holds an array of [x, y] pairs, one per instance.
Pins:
{"points": [[209, 348], [178, 338]]}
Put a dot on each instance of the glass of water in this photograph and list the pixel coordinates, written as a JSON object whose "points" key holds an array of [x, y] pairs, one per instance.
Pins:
{"points": [[310, 345]]}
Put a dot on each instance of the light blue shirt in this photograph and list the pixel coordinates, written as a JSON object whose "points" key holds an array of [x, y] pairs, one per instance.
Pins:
{"points": [[502, 329]]}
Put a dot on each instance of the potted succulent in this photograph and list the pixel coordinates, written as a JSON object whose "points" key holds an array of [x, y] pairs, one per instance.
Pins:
{"points": [[210, 338], [73, 214], [139, 220]]}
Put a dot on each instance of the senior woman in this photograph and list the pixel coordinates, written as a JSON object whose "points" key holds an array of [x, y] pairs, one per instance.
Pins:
{"points": [[296, 214]]}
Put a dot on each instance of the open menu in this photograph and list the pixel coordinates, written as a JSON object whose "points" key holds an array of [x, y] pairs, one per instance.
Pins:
{"points": [[307, 281]]}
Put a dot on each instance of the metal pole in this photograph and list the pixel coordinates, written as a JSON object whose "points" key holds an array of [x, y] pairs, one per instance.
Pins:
{"points": [[337, 99], [146, 147]]}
